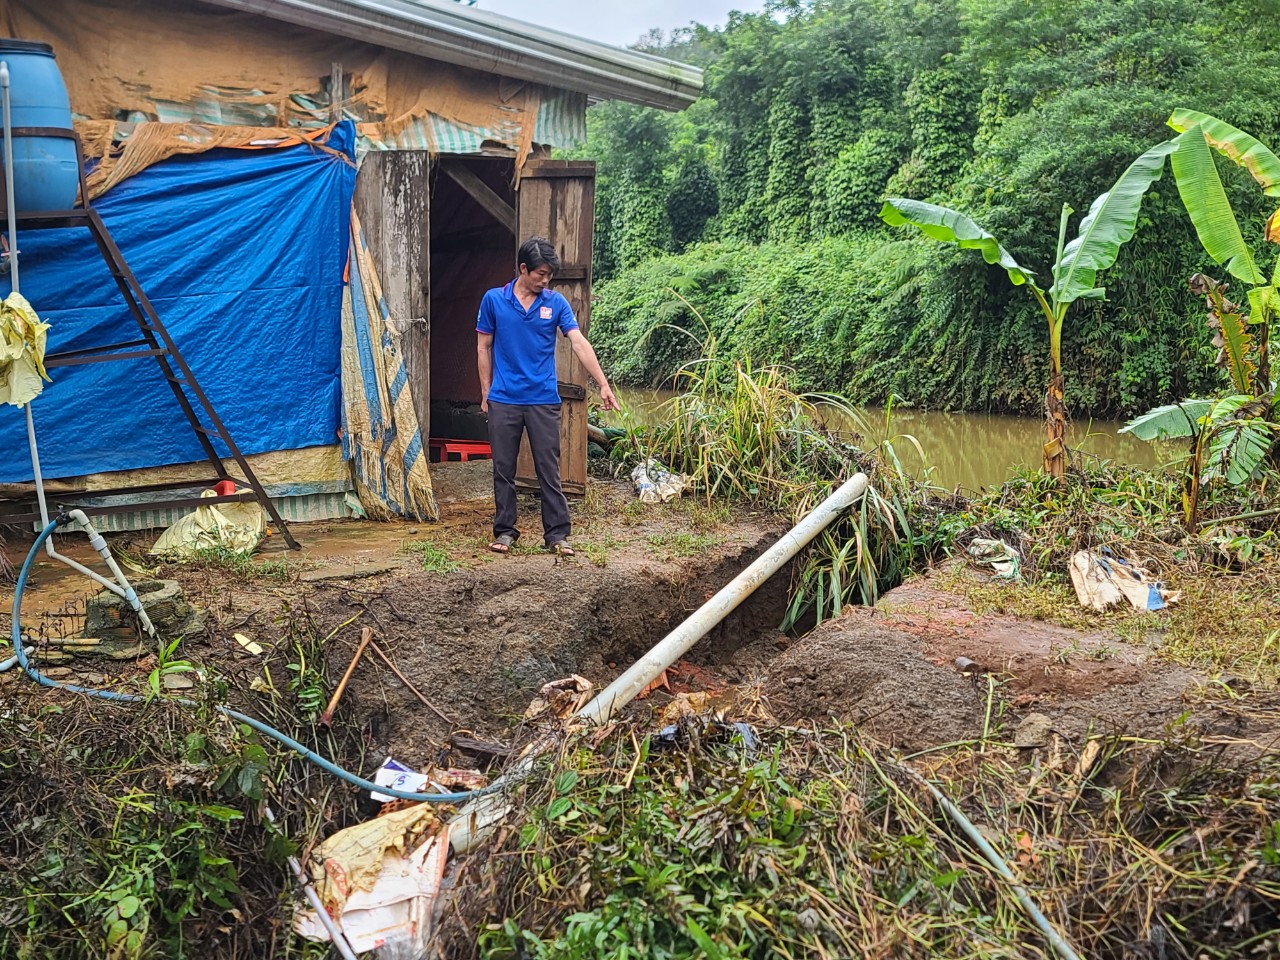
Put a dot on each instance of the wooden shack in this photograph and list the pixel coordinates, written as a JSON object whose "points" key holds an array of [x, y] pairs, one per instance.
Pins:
{"points": [[456, 112]]}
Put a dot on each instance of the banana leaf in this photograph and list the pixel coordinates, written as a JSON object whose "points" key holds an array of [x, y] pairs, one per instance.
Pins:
{"points": [[1263, 302], [1238, 146], [1230, 326], [1172, 421], [1109, 224], [1207, 205], [1237, 449], [950, 226], [1240, 440]]}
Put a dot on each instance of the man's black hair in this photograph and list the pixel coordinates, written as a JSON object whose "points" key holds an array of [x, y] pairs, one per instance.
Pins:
{"points": [[537, 251]]}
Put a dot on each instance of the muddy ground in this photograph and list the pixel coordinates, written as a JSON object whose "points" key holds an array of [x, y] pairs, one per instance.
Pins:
{"points": [[480, 640]]}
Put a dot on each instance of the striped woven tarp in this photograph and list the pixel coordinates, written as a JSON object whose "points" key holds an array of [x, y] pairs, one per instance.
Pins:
{"points": [[381, 435], [561, 121]]}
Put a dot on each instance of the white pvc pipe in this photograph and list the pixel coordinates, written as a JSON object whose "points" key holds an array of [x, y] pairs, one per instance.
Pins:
{"points": [[12, 213], [478, 817], [1020, 893], [121, 586], [336, 935], [10, 203], [125, 588], [37, 475], [7, 665], [647, 669]]}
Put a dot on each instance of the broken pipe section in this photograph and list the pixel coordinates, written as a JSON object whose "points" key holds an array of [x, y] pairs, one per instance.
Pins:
{"points": [[475, 819]]}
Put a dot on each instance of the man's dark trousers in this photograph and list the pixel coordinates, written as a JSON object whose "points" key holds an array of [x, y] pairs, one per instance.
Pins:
{"points": [[507, 421]]}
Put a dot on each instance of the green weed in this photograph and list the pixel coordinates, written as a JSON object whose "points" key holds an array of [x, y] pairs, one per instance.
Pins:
{"points": [[668, 546], [306, 682], [815, 843], [433, 558], [1227, 575], [117, 864], [167, 665], [744, 433], [596, 549], [240, 564]]}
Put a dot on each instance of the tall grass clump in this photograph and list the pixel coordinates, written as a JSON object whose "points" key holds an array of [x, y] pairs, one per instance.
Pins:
{"points": [[743, 432]]}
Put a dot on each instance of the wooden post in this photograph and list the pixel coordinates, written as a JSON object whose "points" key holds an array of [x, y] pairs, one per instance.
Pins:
{"points": [[337, 92]]}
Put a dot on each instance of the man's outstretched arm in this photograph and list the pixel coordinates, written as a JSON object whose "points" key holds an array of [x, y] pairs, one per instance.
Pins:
{"points": [[586, 355]]}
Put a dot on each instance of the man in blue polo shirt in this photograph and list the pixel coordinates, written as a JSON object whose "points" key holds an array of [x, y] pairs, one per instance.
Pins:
{"points": [[516, 355]]}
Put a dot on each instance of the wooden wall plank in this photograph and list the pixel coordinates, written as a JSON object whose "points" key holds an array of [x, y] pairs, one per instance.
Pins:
{"points": [[392, 199]]}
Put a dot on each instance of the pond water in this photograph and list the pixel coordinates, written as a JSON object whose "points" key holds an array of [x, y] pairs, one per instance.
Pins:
{"points": [[971, 450]]}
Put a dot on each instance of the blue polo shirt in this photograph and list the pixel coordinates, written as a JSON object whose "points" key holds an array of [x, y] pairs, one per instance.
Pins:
{"points": [[524, 344]]}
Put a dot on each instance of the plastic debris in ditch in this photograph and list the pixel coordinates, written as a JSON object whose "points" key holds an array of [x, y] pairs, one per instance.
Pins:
{"points": [[654, 483], [396, 776], [1103, 580], [378, 880], [1003, 559], [703, 715], [238, 527]]}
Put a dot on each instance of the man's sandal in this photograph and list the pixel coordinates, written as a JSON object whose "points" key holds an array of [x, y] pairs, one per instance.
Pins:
{"points": [[561, 548], [502, 544]]}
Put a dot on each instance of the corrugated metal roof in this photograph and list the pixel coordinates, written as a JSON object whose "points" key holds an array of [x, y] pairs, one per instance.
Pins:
{"points": [[443, 30]]}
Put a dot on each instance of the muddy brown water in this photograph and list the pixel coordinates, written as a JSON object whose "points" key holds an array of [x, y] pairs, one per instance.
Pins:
{"points": [[970, 450]]}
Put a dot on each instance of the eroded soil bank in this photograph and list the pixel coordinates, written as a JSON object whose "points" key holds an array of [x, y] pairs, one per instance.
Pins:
{"points": [[893, 671], [480, 636]]}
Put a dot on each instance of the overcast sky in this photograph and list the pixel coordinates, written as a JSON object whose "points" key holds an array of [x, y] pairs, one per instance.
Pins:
{"points": [[619, 23]]}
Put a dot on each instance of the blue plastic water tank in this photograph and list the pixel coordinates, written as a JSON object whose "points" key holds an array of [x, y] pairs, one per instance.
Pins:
{"points": [[45, 168]]}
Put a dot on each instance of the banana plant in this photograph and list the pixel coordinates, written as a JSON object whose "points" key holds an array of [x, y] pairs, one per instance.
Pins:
{"points": [[1230, 437], [1109, 224], [1206, 202]]}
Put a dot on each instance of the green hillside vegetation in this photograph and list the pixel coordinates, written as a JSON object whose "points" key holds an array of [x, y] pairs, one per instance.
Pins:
{"points": [[759, 203]]}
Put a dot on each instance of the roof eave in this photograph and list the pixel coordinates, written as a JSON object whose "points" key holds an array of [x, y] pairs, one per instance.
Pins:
{"points": [[442, 30]]}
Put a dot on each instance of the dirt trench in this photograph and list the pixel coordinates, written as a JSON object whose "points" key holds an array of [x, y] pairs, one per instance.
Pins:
{"points": [[480, 642]]}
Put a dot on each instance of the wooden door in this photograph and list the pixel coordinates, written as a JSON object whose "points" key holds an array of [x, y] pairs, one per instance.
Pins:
{"points": [[556, 200]]}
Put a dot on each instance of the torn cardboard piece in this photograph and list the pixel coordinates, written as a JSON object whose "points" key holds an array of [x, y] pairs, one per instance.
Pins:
{"points": [[378, 880]]}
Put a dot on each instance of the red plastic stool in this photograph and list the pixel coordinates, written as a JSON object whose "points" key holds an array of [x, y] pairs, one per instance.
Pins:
{"points": [[456, 450]]}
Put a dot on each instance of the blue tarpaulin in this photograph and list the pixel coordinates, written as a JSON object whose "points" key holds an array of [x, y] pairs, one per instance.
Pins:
{"points": [[242, 253]]}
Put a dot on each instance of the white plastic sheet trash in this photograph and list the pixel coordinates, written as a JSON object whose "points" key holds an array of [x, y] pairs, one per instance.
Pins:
{"points": [[239, 527], [378, 881], [22, 343], [655, 483], [1002, 558], [397, 776], [1103, 580]]}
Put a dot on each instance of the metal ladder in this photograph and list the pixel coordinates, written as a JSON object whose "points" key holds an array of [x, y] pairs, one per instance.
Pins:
{"points": [[154, 341]]}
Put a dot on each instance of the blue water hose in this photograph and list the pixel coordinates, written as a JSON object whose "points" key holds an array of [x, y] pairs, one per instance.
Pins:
{"points": [[322, 762]]}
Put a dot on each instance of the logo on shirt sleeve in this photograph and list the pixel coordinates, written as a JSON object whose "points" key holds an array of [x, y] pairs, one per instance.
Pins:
{"points": [[545, 313]]}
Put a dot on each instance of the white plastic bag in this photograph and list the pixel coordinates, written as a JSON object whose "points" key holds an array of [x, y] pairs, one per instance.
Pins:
{"points": [[656, 484], [239, 527]]}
